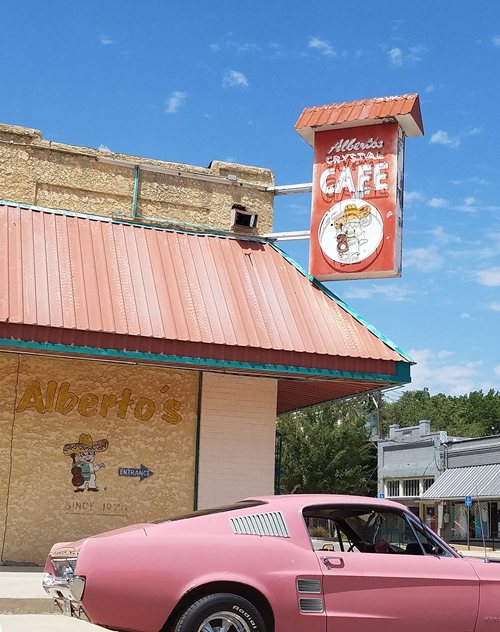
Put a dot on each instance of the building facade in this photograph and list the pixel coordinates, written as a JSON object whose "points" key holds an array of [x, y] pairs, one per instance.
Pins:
{"points": [[149, 335]]}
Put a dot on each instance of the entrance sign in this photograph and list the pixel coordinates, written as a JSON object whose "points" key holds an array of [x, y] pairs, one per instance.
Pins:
{"points": [[357, 195]]}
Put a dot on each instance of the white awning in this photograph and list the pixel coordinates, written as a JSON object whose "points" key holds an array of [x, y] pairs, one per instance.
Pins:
{"points": [[479, 481]]}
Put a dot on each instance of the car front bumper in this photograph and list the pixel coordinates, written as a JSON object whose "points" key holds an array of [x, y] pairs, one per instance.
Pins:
{"points": [[67, 594]]}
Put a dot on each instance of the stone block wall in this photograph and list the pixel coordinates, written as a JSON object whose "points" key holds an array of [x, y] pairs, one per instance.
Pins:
{"points": [[80, 179]]}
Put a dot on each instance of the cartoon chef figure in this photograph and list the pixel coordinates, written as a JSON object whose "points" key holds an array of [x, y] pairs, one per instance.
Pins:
{"points": [[83, 454]]}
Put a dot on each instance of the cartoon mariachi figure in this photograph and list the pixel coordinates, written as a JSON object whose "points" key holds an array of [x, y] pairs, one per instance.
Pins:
{"points": [[82, 455]]}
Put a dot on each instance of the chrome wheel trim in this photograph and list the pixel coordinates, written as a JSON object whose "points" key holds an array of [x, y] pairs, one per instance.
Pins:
{"points": [[224, 621]]}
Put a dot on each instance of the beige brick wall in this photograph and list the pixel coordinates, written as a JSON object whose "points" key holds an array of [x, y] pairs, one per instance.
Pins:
{"points": [[38, 503], [237, 438], [54, 175]]}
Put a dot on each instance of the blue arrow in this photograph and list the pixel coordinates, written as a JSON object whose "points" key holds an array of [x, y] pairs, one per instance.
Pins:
{"points": [[142, 472]]}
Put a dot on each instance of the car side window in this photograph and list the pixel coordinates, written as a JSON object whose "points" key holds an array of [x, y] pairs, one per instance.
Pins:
{"points": [[428, 544], [372, 529]]}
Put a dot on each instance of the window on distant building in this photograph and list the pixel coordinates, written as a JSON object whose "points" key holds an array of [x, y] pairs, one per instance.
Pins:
{"points": [[392, 488], [426, 483], [411, 487]]}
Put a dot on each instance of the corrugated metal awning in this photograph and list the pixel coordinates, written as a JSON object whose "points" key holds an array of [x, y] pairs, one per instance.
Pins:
{"points": [[480, 481], [88, 286]]}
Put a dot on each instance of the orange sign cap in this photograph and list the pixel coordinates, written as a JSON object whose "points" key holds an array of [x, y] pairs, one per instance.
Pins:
{"points": [[405, 109]]}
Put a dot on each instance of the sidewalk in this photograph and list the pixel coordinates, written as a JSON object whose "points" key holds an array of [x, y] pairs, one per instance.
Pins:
{"points": [[21, 591], [25, 606], [478, 551]]}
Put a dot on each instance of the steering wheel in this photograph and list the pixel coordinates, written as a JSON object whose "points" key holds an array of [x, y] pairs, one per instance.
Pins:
{"points": [[359, 544]]}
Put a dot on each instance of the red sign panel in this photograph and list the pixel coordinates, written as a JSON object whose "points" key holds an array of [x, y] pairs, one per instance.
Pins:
{"points": [[356, 219]]}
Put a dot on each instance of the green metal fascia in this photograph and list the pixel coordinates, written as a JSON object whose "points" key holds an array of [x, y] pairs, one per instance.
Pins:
{"points": [[344, 305], [402, 374], [137, 175]]}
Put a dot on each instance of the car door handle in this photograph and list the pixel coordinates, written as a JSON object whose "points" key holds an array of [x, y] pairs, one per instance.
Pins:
{"points": [[333, 562]]}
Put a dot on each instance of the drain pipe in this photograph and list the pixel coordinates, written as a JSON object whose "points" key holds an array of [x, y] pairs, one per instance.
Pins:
{"points": [[136, 190]]}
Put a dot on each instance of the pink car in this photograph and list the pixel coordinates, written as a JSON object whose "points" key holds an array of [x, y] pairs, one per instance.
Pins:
{"points": [[308, 563]]}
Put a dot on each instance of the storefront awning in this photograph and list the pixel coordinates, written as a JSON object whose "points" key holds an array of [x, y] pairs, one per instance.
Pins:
{"points": [[97, 287], [479, 481]]}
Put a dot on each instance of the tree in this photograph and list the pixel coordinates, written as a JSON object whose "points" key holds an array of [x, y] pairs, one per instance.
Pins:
{"points": [[327, 449], [472, 415]]}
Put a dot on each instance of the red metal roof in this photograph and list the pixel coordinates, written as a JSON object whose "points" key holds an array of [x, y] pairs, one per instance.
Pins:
{"points": [[72, 280], [405, 109]]}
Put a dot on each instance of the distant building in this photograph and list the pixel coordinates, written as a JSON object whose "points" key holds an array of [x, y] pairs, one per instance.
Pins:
{"points": [[472, 474], [452, 483], [410, 460]]}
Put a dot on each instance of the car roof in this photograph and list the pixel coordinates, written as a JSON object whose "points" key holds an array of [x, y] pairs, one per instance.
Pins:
{"points": [[299, 501]]}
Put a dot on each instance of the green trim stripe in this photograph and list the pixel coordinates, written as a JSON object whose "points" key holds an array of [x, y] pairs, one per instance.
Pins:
{"points": [[402, 374], [197, 448]]}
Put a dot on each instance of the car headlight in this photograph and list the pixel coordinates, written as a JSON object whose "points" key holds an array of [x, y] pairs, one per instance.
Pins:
{"points": [[64, 567]]}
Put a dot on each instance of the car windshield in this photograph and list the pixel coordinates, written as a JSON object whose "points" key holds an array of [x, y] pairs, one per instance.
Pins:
{"points": [[369, 530], [242, 504]]}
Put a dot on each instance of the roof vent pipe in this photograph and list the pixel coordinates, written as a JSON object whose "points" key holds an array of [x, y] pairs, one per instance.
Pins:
{"points": [[424, 427], [392, 431]]}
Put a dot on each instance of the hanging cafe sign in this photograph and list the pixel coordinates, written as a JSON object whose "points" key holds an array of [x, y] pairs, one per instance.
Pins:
{"points": [[357, 195]]}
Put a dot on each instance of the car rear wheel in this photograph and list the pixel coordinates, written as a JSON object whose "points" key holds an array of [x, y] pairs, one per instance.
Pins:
{"points": [[221, 612]]}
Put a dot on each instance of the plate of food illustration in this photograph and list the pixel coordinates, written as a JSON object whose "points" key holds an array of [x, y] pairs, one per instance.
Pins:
{"points": [[351, 231]]}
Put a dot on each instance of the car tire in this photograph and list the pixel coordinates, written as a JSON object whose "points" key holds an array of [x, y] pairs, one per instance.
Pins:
{"points": [[215, 611]]}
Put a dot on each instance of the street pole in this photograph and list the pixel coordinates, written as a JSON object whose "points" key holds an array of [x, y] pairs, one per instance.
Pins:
{"points": [[468, 528]]}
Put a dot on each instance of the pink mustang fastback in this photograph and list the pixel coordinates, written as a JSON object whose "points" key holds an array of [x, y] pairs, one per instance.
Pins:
{"points": [[276, 564]]}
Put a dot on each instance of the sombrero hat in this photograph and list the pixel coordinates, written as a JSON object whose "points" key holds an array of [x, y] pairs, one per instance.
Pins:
{"points": [[85, 443]]}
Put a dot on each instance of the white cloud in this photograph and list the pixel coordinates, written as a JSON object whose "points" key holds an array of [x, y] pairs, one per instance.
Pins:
{"points": [[445, 354], [497, 370], [437, 202], [412, 197], [496, 40], [441, 235], [465, 316], [323, 46], [424, 259], [473, 131], [390, 292], [495, 306], [431, 372], [232, 43], [103, 148], [469, 205], [105, 40], [234, 79], [399, 56], [175, 101], [443, 138], [472, 180], [395, 56], [489, 277]]}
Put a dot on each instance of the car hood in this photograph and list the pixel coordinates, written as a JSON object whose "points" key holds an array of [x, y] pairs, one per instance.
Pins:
{"points": [[486, 571]]}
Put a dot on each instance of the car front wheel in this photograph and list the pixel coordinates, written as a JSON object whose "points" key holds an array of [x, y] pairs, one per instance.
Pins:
{"points": [[221, 612]]}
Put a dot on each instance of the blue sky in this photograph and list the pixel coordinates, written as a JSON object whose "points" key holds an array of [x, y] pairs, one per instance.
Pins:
{"points": [[197, 81]]}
